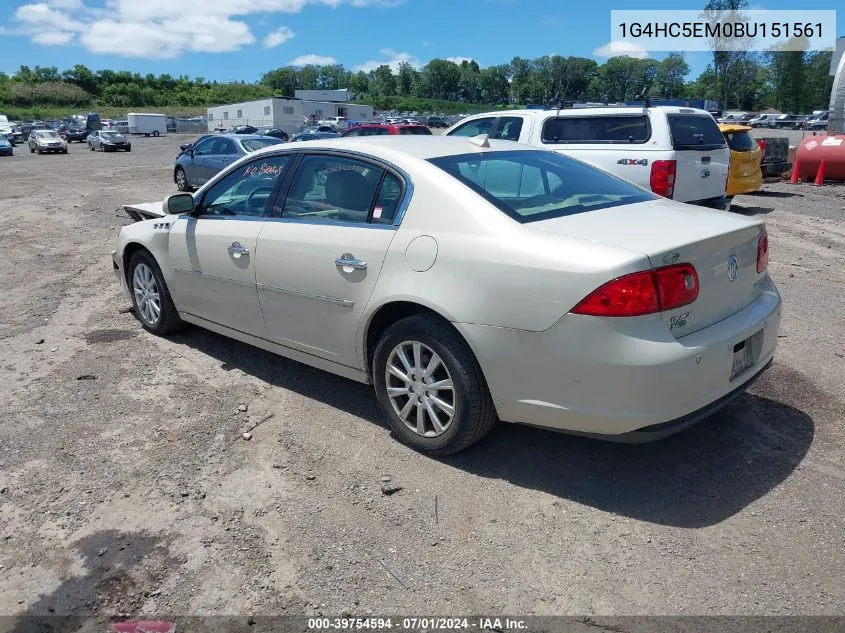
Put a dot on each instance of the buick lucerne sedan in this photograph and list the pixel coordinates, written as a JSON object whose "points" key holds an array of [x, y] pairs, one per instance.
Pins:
{"points": [[469, 281]]}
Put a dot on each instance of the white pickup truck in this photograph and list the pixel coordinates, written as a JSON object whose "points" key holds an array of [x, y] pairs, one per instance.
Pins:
{"points": [[337, 122], [676, 152]]}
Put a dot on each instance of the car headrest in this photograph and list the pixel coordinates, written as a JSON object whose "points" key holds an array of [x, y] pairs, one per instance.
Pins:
{"points": [[348, 189]]}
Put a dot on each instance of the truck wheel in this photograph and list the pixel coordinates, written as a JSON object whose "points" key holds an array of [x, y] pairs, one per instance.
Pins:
{"points": [[155, 133]]}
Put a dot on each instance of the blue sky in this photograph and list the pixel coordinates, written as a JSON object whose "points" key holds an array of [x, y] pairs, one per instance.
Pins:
{"points": [[241, 39]]}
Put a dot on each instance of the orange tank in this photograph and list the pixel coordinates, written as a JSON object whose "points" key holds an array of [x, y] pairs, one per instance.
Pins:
{"points": [[815, 149]]}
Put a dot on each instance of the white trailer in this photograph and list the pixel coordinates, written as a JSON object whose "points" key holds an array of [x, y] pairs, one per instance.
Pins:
{"points": [[146, 124]]}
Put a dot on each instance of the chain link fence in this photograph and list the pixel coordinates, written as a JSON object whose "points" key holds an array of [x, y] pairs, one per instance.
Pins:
{"points": [[187, 125]]}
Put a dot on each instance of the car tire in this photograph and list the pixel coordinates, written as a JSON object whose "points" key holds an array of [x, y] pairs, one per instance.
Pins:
{"points": [[91, 147], [31, 150], [64, 151], [473, 413], [128, 149], [151, 300], [155, 133], [181, 180]]}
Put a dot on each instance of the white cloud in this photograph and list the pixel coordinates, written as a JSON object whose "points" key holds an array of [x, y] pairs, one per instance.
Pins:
{"points": [[459, 60], [277, 37], [394, 60], [158, 29], [427, 43], [52, 38], [621, 47], [313, 60]]}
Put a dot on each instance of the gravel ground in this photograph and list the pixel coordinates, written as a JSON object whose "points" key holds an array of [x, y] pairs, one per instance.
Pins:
{"points": [[125, 486]]}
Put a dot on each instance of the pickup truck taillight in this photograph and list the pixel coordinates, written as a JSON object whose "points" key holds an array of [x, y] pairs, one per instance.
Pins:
{"points": [[662, 178]]}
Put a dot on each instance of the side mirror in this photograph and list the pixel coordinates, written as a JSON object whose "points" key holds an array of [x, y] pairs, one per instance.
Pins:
{"points": [[184, 147], [178, 204]]}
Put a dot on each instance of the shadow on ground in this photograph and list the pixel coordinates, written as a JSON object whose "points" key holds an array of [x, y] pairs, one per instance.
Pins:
{"points": [[119, 568], [747, 210], [766, 193], [696, 478]]}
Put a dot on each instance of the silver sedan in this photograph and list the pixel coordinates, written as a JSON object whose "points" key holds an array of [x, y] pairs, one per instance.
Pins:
{"points": [[469, 281]]}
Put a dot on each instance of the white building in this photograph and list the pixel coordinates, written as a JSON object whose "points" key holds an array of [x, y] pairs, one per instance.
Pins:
{"points": [[289, 115]]}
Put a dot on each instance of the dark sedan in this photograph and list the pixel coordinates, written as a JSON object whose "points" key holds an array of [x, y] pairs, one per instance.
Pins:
{"points": [[274, 132], [198, 164], [108, 141], [6, 147], [313, 136], [76, 134], [243, 129]]}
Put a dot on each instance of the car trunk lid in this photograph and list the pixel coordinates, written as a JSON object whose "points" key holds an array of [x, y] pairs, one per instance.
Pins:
{"points": [[721, 247]]}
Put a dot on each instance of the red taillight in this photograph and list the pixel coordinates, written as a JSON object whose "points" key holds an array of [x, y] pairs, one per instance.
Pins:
{"points": [[762, 253], [762, 145], [662, 179], [677, 285], [642, 293]]}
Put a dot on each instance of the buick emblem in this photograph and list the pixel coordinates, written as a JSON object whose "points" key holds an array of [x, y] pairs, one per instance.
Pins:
{"points": [[733, 268]]}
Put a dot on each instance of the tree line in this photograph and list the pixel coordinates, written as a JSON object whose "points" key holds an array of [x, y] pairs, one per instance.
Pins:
{"points": [[788, 81]]}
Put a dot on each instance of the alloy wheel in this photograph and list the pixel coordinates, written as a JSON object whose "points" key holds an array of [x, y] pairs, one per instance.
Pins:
{"points": [[420, 389], [146, 293]]}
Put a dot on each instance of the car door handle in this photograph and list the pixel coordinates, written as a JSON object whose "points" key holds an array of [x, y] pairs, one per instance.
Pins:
{"points": [[351, 262], [237, 250]]}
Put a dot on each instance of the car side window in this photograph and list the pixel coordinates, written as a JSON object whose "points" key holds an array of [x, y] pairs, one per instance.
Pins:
{"points": [[474, 127], [204, 147], [388, 199], [246, 191], [354, 133], [509, 128], [332, 189]]}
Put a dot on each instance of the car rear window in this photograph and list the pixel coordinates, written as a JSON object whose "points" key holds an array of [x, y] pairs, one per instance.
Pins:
{"points": [[695, 131], [532, 185], [415, 129], [740, 141], [253, 144], [597, 129]]}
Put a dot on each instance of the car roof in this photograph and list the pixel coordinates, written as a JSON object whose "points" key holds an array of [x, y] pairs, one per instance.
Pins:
{"points": [[733, 127], [416, 146], [608, 110]]}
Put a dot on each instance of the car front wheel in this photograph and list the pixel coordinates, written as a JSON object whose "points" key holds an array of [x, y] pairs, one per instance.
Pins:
{"points": [[430, 387], [181, 179], [150, 297]]}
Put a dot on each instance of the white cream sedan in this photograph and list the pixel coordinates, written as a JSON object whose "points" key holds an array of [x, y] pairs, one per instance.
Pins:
{"points": [[469, 281]]}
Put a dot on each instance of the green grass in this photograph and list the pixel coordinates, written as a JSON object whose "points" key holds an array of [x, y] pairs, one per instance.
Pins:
{"points": [[107, 112]]}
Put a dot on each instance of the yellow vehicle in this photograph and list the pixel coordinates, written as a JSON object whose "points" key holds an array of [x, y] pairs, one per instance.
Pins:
{"points": [[744, 174]]}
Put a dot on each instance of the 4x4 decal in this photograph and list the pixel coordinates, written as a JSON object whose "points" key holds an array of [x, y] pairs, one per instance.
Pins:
{"points": [[632, 161]]}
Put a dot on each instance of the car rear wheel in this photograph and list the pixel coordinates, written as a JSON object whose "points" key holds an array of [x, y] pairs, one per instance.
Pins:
{"points": [[181, 180], [150, 297], [430, 387], [155, 133]]}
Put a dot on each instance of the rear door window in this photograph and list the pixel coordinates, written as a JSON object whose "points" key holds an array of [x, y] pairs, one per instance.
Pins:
{"points": [[474, 127], [695, 131], [597, 129], [415, 130], [509, 128], [740, 141]]}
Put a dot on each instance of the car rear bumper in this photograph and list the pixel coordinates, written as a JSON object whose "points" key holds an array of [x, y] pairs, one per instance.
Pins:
{"points": [[612, 377], [719, 202], [775, 168], [744, 184]]}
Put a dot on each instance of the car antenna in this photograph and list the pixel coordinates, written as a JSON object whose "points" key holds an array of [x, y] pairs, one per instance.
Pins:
{"points": [[482, 140]]}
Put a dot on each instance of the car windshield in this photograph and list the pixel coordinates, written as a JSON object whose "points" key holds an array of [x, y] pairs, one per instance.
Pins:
{"points": [[417, 129], [109, 134], [531, 185], [47, 134], [4, 142], [252, 144]]}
